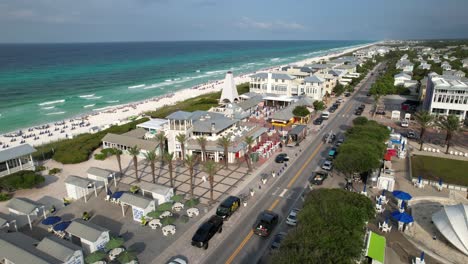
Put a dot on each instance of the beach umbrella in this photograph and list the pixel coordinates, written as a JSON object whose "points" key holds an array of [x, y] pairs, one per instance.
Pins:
{"points": [[401, 195], [440, 181], [422, 256], [62, 226], [118, 194], [51, 220], [402, 217], [419, 179]]}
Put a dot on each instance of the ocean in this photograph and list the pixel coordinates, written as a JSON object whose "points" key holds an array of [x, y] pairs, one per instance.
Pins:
{"points": [[41, 83]]}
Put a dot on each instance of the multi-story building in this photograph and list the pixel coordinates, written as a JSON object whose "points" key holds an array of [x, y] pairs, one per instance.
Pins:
{"points": [[274, 83], [446, 95]]}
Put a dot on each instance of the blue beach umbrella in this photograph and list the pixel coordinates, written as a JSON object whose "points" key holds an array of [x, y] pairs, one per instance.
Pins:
{"points": [[51, 220], [401, 195], [440, 181], [402, 217], [118, 194], [419, 179], [62, 226], [422, 256]]}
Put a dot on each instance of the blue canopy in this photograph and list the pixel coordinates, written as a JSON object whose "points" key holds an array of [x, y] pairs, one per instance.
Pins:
{"points": [[51, 220], [402, 217], [62, 226], [402, 195], [118, 194]]}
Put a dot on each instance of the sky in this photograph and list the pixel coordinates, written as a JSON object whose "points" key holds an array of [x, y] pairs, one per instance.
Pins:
{"points": [[165, 20]]}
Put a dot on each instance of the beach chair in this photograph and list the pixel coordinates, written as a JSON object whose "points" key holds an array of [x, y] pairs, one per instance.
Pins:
{"points": [[107, 198]]}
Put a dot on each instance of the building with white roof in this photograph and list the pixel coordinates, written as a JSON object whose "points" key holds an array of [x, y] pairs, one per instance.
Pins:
{"points": [[446, 95], [16, 159], [229, 93], [452, 222]]}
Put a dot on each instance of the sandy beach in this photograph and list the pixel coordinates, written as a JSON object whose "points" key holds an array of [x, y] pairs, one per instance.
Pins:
{"points": [[120, 114]]}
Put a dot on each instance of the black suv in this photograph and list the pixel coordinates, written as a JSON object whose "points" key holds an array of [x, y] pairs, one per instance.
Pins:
{"points": [[206, 231], [318, 121], [228, 207], [281, 158], [266, 222]]}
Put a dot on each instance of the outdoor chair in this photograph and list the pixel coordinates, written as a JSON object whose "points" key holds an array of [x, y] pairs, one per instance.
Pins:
{"points": [[107, 198], [165, 214], [169, 229]]}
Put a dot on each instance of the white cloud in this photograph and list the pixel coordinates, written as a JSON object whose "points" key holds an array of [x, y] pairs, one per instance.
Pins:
{"points": [[275, 25]]}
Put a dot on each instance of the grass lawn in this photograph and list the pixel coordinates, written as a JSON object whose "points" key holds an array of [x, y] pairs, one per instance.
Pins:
{"points": [[432, 168]]}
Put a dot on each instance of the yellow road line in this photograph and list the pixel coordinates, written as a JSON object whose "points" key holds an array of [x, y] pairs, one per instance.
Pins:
{"points": [[275, 203]]}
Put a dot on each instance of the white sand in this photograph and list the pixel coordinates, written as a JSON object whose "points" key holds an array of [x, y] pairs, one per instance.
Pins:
{"points": [[120, 114]]}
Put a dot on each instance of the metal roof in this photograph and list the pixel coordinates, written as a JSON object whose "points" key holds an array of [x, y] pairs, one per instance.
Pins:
{"points": [[101, 173], [213, 125], [86, 230], [130, 141], [58, 248], [154, 123], [281, 76], [154, 188], [78, 181], [15, 152], [23, 205], [313, 79], [135, 200], [250, 103], [20, 248], [297, 130], [179, 115]]}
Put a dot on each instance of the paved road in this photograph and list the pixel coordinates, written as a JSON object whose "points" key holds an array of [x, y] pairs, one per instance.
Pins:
{"points": [[241, 245]]}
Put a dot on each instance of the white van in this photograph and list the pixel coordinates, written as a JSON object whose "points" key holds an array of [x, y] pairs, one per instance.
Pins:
{"points": [[325, 115]]}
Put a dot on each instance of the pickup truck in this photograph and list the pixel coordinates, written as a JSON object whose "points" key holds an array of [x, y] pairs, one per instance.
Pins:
{"points": [[266, 221], [318, 178], [206, 231]]}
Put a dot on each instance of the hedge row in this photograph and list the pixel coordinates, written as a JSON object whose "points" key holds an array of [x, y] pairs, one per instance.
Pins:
{"points": [[78, 149], [21, 180]]}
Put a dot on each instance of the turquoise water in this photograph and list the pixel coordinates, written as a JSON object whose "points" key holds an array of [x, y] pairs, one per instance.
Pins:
{"points": [[41, 83]]}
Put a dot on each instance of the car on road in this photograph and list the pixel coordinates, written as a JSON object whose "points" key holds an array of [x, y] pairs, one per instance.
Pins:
{"points": [[206, 231], [228, 207], [318, 121], [266, 222], [276, 243], [282, 157], [411, 134], [332, 152], [292, 217], [327, 165], [318, 178], [358, 112], [339, 142], [404, 123], [347, 94]]}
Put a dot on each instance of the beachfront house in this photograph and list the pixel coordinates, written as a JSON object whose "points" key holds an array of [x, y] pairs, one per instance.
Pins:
{"points": [[153, 126], [313, 87], [18, 248], [274, 83], [16, 159], [130, 139], [140, 205], [160, 193], [298, 72], [24, 207], [90, 236], [78, 187], [405, 65]]}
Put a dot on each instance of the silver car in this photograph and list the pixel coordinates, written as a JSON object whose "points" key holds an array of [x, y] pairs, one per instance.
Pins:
{"points": [[292, 217]]}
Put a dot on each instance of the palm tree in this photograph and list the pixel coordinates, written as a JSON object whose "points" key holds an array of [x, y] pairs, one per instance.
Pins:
{"points": [[376, 102], [181, 138], [190, 162], [168, 157], [135, 151], [117, 153], [210, 168], [150, 157], [424, 119], [451, 125], [249, 141], [225, 143], [161, 138], [202, 142]]}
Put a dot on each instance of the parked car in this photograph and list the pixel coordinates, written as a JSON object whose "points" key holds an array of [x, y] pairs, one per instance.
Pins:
{"points": [[339, 142], [380, 112], [332, 109], [206, 231], [177, 260], [337, 104], [325, 115], [347, 94], [318, 178], [411, 134], [275, 244], [404, 123], [266, 222], [292, 217], [329, 138], [362, 107], [318, 121], [327, 165], [228, 207], [282, 157], [358, 112], [332, 152]]}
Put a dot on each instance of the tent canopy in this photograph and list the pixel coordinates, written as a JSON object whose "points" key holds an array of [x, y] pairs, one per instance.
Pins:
{"points": [[376, 247]]}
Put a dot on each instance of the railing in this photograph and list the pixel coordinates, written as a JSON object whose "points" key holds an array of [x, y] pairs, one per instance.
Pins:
{"points": [[444, 185], [16, 169]]}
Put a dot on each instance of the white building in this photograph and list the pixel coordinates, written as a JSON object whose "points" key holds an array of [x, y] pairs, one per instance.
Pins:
{"points": [[405, 65], [16, 159], [424, 65], [465, 63], [229, 93], [401, 78], [160, 193], [446, 95], [446, 66], [141, 205], [91, 236], [274, 83], [79, 187]]}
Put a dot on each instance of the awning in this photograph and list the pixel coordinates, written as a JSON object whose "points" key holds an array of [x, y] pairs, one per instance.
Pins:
{"points": [[376, 248]]}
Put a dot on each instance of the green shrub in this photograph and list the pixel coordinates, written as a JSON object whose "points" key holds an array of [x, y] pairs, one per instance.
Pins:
{"points": [[54, 171], [78, 149], [107, 152], [21, 180], [4, 196], [40, 168], [100, 156], [192, 202]]}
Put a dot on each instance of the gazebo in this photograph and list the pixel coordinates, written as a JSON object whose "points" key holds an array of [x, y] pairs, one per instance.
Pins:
{"points": [[24, 206]]}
